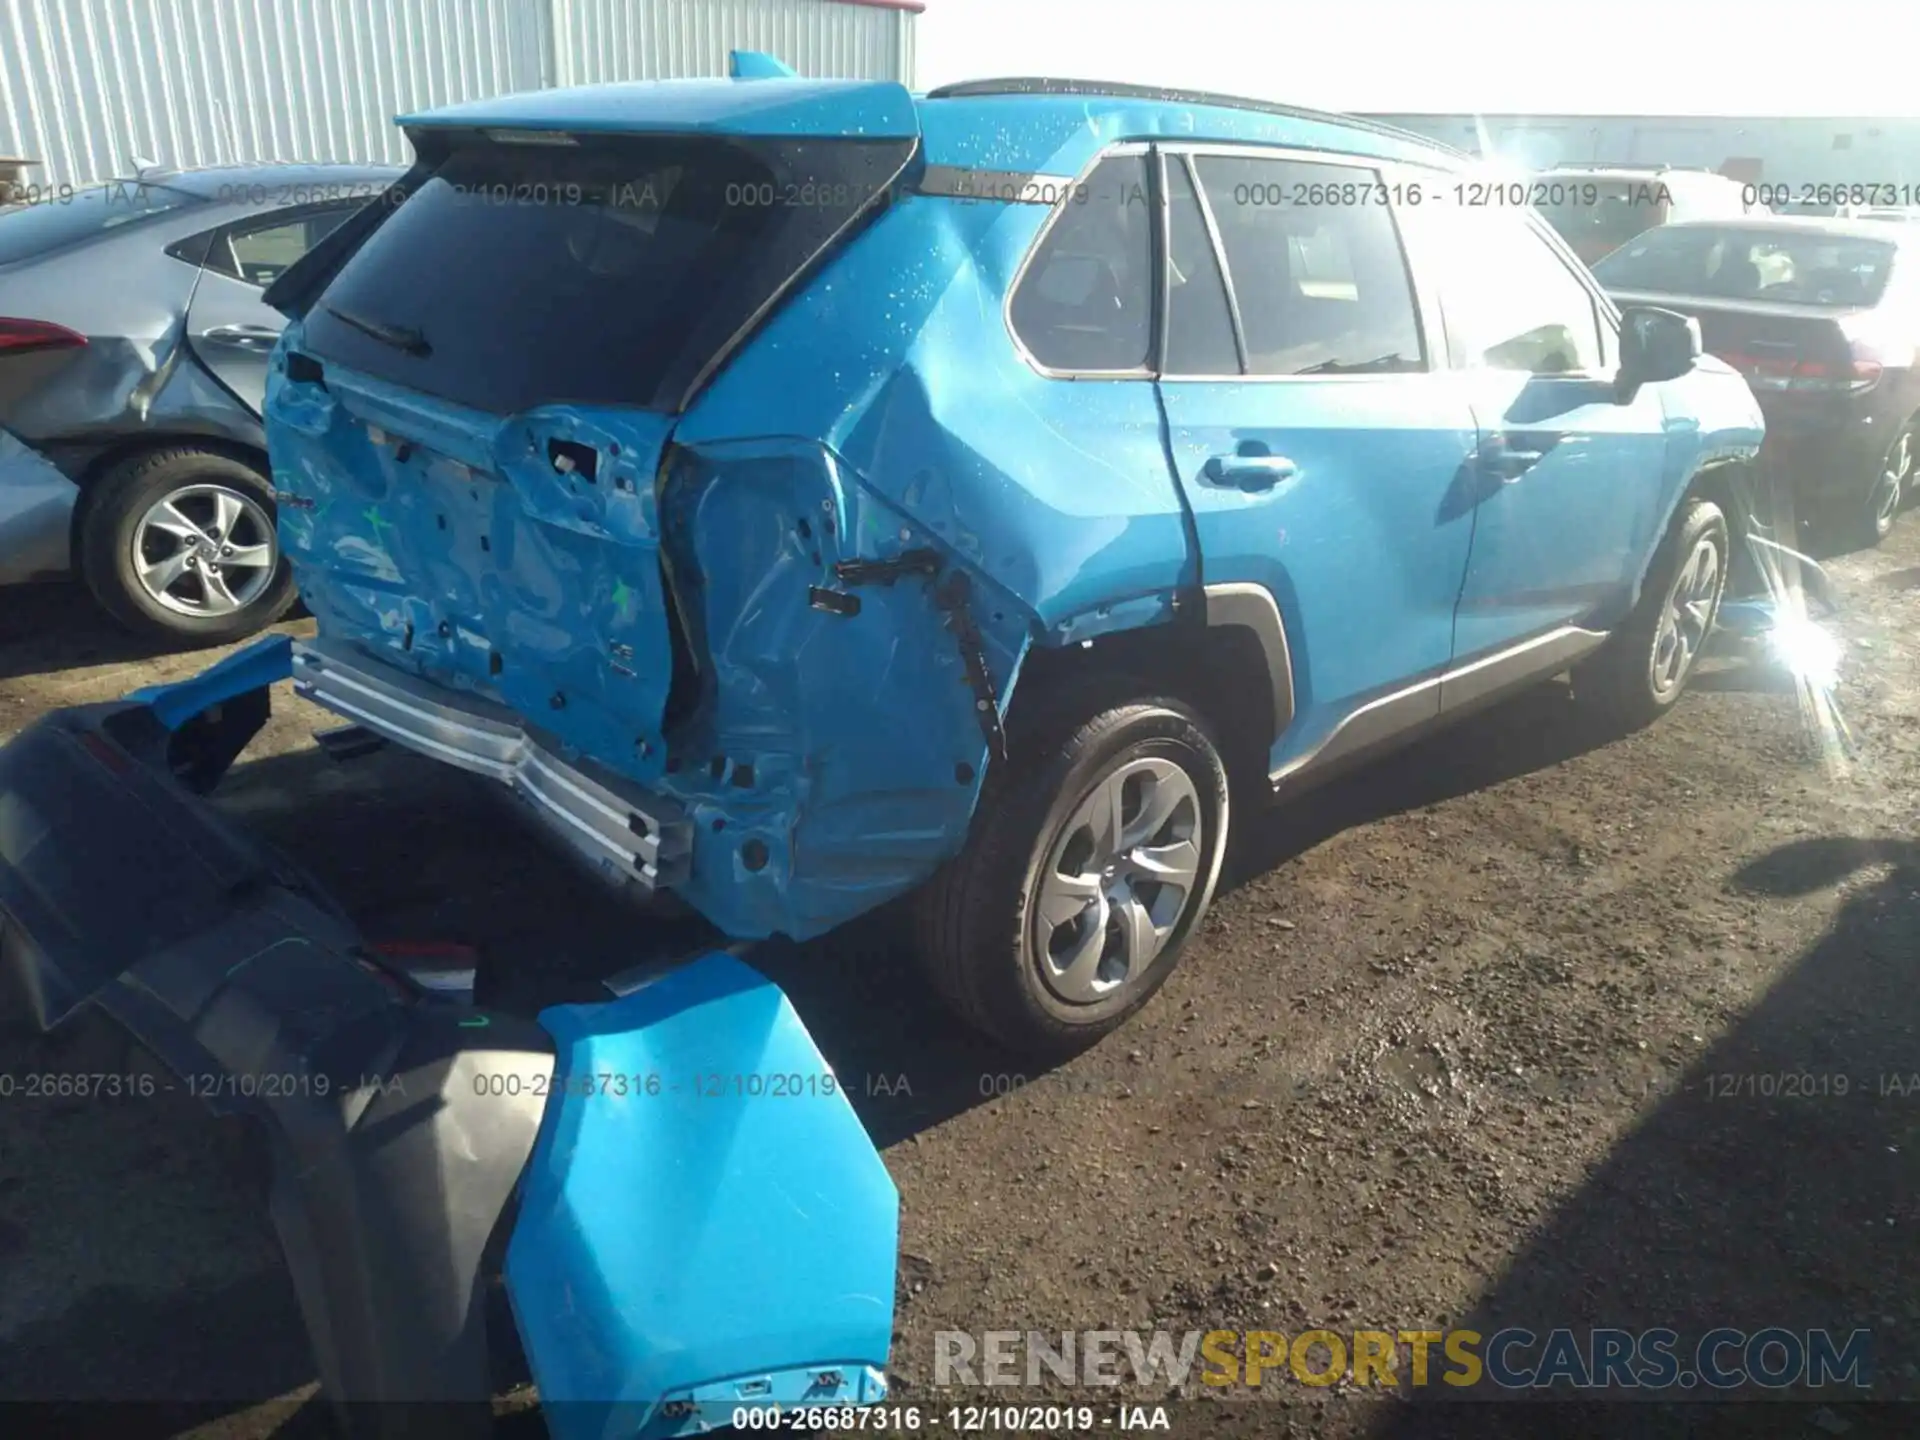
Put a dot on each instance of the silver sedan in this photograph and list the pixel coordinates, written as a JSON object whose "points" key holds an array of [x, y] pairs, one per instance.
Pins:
{"points": [[133, 361]]}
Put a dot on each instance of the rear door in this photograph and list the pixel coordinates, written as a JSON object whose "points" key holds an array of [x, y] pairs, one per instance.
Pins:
{"points": [[1570, 484], [1318, 440], [231, 330]]}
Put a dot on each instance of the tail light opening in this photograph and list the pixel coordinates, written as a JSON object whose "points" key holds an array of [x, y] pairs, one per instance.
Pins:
{"points": [[20, 337], [1777, 373]]}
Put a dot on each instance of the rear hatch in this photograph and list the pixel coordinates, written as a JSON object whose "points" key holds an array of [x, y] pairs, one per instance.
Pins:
{"points": [[470, 411]]}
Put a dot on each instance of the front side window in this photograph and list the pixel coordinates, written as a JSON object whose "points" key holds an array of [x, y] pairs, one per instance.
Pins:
{"points": [[1316, 266], [1511, 302], [1085, 303]]}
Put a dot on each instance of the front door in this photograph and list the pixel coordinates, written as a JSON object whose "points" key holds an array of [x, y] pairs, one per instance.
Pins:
{"points": [[1317, 437], [1569, 480]]}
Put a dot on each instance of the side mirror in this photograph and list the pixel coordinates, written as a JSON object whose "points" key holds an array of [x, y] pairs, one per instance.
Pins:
{"points": [[1656, 345]]}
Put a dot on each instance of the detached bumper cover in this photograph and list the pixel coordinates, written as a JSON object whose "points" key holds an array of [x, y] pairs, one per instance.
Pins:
{"points": [[671, 1247], [764, 1246]]}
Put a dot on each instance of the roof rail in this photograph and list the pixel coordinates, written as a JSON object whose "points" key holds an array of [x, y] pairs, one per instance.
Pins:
{"points": [[1119, 90]]}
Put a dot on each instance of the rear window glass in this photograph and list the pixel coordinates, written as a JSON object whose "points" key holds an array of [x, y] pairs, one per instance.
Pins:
{"points": [[1802, 269], [58, 219], [603, 273], [1597, 216]]}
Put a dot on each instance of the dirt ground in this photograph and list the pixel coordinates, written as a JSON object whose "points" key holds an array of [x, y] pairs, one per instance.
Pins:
{"points": [[1450, 1051]]}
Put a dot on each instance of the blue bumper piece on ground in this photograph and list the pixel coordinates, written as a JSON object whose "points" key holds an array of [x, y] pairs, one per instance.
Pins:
{"points": [[253, 667], [704, 1223]]}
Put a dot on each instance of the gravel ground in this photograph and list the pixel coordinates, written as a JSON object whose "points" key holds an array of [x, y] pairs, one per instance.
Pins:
{"points": [[1448, 1053]]}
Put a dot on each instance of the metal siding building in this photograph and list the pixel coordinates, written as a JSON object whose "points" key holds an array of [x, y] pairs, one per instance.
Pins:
{"points": [[1792, 151], [86, 86]]}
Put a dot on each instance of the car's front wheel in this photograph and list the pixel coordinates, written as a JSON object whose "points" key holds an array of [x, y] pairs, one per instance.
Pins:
{"points": [[179, 544], [1092, 858]]}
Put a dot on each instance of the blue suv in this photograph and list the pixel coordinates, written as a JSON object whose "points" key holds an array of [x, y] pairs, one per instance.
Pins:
{"points": [[805, 494]]}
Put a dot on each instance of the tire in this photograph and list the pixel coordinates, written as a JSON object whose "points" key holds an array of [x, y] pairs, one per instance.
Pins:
{"points": [[1890, 488], [980, 921], [1635, 677], [123, 535]]}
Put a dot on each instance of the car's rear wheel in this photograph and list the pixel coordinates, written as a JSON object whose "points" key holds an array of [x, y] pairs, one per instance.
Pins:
{"points": [[1092, 858], [1644, 668], [179, 544], [1890, 488]]}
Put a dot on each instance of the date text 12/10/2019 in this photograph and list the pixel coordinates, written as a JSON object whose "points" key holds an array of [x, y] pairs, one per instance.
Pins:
{"points": [[959, 1419]]}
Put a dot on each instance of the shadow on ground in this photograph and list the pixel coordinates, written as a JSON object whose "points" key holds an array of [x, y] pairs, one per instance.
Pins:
{"points": [[1777, 1185], [47, 629]]}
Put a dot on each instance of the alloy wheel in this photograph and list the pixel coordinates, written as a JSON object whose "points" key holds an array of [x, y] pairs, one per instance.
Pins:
{"points": [[1686, 618], [1120, 872], [1896, 471], [205, 550]]}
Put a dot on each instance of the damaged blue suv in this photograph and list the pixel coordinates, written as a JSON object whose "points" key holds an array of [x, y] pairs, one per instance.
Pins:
{"points": [[805, 494]]}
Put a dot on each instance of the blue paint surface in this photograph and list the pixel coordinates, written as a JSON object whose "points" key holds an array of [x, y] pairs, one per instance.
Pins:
{"points": [[832, 761], [703, 1218], [252, 667]]}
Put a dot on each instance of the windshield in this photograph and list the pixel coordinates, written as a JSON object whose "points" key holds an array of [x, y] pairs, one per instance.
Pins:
{"points": [[1598, 216], [55, 219], [1802, 268], [605, 272]]}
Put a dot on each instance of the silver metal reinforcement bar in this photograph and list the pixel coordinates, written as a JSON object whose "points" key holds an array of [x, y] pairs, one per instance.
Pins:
{"points": [[614, 825]]}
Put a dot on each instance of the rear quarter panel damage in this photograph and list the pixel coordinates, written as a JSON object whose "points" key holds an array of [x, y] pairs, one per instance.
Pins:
{"points": [[1054, 497]]}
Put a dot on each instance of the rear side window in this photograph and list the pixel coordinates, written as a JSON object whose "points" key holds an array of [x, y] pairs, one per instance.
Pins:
{"points": [[42, 226], [1316, 267], [1085, 301], [608, 271], [260, 253]]}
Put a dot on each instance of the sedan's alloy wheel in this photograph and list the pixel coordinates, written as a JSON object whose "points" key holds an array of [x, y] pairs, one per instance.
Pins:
{"points": [[204, 550]]}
